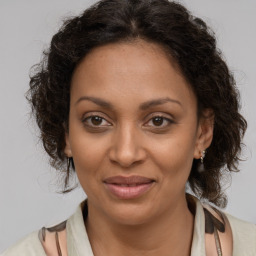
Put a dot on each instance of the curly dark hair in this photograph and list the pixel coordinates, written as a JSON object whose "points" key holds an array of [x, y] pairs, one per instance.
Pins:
{"points": [[192, 46]]}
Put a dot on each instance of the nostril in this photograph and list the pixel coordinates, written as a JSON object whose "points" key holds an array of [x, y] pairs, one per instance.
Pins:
{"points": [[127, 157], [124, 159]]}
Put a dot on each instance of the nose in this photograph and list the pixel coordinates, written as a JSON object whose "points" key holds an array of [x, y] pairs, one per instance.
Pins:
{"points": [[127, 147]]}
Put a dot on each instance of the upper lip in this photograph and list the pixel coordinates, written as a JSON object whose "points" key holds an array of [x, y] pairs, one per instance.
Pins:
{"points": [[128, 180]]}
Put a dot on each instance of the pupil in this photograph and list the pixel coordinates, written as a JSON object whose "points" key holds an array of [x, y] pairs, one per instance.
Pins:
{"points": [[96, 120], [158, 121]]}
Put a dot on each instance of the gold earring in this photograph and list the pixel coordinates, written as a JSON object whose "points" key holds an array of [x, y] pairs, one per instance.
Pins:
{"points": [[201, 165], [202, 156]]}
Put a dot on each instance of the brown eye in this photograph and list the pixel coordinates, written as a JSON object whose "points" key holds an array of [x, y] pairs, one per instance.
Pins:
{"points": [[96, 120], [158, 121]]}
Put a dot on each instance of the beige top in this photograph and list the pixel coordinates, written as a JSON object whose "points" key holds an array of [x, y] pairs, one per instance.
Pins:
{"points": [[73, 240]]}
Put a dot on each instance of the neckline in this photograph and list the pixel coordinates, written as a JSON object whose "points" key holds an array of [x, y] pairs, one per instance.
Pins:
{"points": [[194, 205]]}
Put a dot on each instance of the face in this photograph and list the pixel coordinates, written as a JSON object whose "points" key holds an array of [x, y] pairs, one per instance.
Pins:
{"points": [[133, 131]]}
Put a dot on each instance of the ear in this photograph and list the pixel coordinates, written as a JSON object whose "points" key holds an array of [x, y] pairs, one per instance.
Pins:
{"points": [[67, 149], [204, 132]]}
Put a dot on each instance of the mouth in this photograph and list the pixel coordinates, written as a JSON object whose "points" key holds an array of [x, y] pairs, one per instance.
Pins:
{"points": [[128, 187]]}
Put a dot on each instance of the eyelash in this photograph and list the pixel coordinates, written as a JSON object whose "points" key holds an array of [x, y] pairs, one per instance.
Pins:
{"points": [[165, 119], [91, 116]]}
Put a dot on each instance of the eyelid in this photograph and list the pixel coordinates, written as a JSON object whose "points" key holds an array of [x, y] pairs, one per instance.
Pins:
{"points": [[90, 115], [168, 119], [161, 114]]}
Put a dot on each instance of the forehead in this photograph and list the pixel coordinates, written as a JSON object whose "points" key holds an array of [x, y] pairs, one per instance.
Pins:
{"points": [[143, 54], [140, 70]]}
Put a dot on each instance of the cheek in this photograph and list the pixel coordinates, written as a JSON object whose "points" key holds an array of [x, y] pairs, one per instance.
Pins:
{"points": [[174, 155], [88, 154], [175, 165]]}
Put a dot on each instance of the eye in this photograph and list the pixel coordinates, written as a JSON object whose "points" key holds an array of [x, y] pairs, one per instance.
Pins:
{"points": [[95, 121], [159, 121]]}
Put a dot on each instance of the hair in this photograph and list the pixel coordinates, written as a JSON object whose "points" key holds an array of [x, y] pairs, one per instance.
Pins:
{"points": [[192, 46]]}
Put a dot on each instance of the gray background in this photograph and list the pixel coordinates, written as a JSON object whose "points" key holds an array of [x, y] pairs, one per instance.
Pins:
{"points": [[28, 198]]}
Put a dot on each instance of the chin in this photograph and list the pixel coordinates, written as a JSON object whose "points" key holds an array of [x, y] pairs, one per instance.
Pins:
{"points": [[131, 213]]}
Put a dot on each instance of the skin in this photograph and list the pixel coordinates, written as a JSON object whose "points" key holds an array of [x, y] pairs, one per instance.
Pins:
{"points": [[129, 141]]}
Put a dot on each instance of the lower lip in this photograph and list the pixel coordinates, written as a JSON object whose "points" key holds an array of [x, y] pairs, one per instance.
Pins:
{"points": [[124, 192]]}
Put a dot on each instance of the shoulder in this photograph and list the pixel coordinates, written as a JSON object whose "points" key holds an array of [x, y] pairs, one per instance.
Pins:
{"points": [[244, 236], [242, 227], [54, 240], [226, 232], [28, 246]]}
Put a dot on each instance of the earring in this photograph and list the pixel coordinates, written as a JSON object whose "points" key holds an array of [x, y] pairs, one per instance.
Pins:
{"points": [[202, 156], [201, 165], [68, 172], [70, 167]]}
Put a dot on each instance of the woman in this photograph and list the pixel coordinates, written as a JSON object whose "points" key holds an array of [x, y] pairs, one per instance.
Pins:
{"points": [[135, 98]]}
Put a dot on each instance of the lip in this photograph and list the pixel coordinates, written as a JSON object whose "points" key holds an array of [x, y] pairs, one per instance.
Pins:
{"points": [[128, 187]]}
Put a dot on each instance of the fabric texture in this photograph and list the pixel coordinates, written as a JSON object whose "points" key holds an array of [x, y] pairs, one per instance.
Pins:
{"points": [[74, 240]]}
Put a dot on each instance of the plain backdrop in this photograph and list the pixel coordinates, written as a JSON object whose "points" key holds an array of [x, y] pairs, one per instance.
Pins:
{"points": [[28, 185]]}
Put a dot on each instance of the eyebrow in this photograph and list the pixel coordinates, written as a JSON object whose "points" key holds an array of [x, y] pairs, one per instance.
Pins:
{"points": [[156, 102], [143, 106]]}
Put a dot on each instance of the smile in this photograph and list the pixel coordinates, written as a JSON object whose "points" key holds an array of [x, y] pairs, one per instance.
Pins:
{"points": [[128, 187]]}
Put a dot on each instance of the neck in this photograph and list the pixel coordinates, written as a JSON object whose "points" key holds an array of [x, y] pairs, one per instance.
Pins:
{"points": [[168, 234]]}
